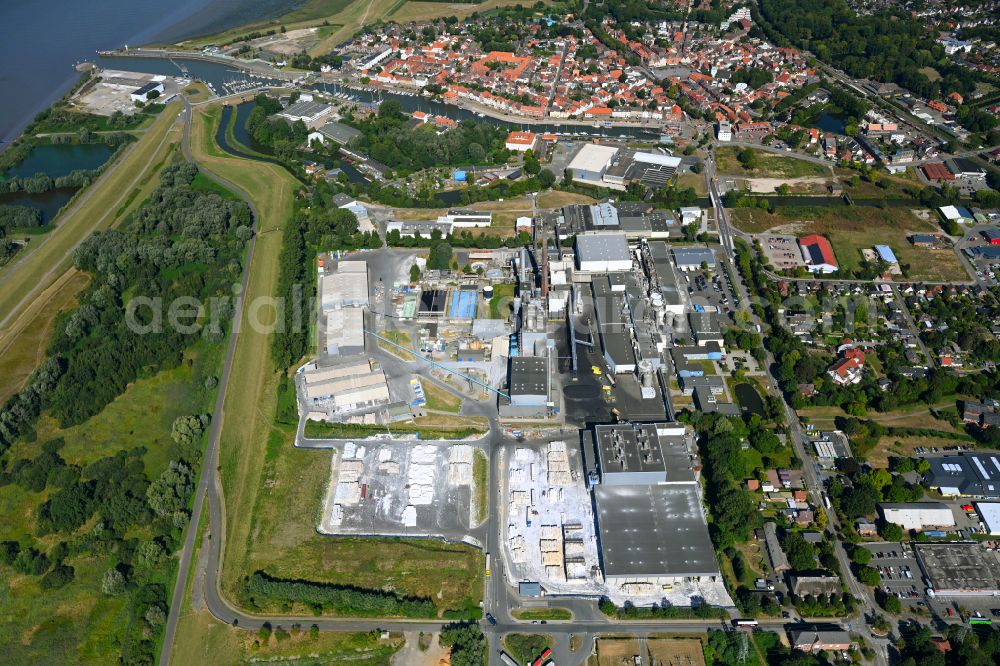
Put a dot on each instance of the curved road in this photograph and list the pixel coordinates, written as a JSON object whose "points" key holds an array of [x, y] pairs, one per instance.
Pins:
{"points": [[499, 595]]}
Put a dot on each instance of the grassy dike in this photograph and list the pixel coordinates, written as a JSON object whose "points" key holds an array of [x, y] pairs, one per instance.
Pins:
{"points": [[273, 491], [249, 408]]}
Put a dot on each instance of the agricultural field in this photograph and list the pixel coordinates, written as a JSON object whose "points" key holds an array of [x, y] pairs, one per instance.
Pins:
{"points": [[338, 20], [675, 651], [854, 228]]}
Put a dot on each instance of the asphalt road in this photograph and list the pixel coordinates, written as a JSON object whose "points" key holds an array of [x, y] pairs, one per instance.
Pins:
{"points": [[800, 441], [500, 597], [208, 481]]}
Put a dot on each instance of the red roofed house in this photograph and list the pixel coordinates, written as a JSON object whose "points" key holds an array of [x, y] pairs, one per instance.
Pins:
{"points": [[818, 254], [849, 369], [521, 141]]}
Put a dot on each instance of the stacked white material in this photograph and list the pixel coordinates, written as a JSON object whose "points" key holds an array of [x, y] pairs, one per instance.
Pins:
{"points": [[558, 464], [337, 515], [517, 475], [551, 547], [518, 553], [460, 465], [420, 475], [348, 480], [410, 516], [386, 464], [348, 492], [555, 572], [576, 570]]}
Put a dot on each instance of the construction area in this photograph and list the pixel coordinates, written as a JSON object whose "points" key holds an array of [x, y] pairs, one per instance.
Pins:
{"points": [[400, 489], [112, 90]]}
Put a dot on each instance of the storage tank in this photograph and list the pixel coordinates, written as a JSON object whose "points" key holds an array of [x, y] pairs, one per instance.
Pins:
{"points": [[488, 291]]}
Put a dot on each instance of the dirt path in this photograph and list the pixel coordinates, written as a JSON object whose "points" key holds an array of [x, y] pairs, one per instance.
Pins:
{"points": [[411, 655], [770, 185]]}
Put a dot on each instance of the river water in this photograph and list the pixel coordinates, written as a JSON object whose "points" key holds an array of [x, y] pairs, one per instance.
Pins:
{"points": [[43, 40], [218, 74]]}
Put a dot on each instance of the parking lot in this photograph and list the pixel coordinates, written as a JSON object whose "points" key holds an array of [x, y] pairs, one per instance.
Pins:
{"points": [[782, 251], [899, 569], [709, 289]]}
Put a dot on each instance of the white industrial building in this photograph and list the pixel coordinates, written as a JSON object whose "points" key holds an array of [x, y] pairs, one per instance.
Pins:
{"points": [[375, 59], [989, 514], [348, 287], [345, 387], [591, 162], [307, 112], [690, 215], [724, 131], [466, 219], [917, 515], [142, 94], [345, 331], [602, 253]]}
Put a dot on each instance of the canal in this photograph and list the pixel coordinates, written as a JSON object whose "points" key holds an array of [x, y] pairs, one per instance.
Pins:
{"points": [[221, 74]]}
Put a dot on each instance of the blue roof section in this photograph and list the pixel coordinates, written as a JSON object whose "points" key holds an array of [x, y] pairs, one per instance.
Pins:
{"points": [[885, 253]]}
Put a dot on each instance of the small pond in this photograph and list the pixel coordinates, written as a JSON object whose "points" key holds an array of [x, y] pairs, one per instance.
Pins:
{"points": [[61, 159], [749, 398]]}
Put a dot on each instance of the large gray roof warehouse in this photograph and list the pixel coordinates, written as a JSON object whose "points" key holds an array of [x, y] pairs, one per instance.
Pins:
{"points": [[650, 520], [970, 475], [653, 534]]}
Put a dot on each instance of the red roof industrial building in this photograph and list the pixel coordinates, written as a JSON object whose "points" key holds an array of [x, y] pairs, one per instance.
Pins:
{"points": [[818, 254]]}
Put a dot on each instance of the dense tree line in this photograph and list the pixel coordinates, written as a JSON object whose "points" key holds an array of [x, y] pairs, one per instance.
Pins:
{"points": [[970, 646], [277, 134], [754, 77], [116, 490], [317, 225], [734, 513], [19, 217], [344, 599], [467, 644], [461, 239], [182, 243]]}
